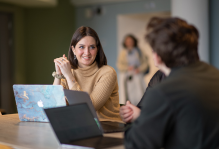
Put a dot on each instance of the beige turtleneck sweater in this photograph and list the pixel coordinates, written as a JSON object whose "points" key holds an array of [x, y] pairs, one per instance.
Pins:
{"points": [[102, 86]]}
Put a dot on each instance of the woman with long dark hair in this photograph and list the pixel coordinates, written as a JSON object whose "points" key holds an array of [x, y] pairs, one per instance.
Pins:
{"points": [[86, 70]]}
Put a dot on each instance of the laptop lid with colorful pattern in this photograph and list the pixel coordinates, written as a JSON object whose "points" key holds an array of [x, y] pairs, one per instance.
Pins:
{"points": [[32, 99]]}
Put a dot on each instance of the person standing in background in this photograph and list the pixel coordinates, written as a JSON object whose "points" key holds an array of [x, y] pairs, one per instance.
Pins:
{"points": [[132, 64]]}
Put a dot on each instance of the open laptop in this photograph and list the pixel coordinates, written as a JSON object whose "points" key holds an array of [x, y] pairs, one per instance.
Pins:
{"points": [[75, 97], [76, 125], [31, 99]]}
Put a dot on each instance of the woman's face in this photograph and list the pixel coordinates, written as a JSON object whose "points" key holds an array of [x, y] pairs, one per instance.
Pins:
{"points": [[129, 43], [85, 51]]}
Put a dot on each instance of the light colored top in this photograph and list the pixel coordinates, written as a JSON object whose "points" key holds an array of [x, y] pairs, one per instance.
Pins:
{"points": [[123, 64], [133, 58], [102, 86]]}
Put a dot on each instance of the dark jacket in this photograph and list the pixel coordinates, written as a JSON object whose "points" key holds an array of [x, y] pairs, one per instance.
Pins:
{"points": [[182, 112], [156, 79]]}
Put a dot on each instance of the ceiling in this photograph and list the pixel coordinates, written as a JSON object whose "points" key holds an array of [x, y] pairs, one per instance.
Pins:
{"points": [[93, 2], [52, 3], [32, 3]]}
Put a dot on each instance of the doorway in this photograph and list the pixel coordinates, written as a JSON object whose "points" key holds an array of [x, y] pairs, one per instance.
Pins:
{"points": [[7, 103], [135, 24]]}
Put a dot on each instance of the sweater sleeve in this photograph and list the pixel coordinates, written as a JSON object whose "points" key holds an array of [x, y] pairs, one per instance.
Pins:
{"points": [[103, 89], [64, 83], [76, 86]]}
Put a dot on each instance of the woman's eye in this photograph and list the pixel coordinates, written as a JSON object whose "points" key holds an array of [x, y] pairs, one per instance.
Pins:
{"points": [[81, 47], [92, 47]]}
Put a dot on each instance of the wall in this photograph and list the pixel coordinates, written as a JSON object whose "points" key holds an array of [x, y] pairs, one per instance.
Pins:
{"points": [[106, 24], [214, 32], [41, 34], [135, 25], [197, 14], [48, 33], [19, 44]]}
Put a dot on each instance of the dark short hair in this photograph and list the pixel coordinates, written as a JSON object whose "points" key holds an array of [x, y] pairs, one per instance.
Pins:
{"points": [[133, 38], [174, 40], [80, 33]]}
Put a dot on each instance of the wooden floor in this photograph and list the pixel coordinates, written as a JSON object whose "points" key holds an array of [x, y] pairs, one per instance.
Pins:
{"points": [[34, 135]]}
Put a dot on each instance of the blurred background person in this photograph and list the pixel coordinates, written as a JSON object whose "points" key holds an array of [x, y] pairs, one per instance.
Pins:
{"points": [[132, 64]]}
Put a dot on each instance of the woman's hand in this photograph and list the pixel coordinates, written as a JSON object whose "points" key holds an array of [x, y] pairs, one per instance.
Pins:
{"points": [[58, 71], [63, 66]]}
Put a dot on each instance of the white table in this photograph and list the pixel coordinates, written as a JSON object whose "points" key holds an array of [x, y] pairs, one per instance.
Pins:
{"points": [[32, 135]]}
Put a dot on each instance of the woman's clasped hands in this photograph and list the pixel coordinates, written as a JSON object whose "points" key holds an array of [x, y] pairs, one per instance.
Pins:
{"points": [[63, 66]]}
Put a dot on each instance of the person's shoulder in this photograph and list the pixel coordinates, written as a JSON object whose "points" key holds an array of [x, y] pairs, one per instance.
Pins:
{"points": [[106, 69], [154, 96], [123, 52], [158, 73], [157, 78], [162, 87], [209, 67]]}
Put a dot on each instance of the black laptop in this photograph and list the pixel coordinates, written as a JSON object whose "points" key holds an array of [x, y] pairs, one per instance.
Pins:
{"points": [[75, 97], [76, 125]]}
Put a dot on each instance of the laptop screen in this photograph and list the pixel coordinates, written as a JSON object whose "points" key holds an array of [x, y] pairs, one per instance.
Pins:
{"points": [[73, 122]]}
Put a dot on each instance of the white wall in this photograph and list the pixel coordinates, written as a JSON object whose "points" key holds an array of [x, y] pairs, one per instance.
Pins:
{"points": [[136, 24], [106, 25], [196, 13]]}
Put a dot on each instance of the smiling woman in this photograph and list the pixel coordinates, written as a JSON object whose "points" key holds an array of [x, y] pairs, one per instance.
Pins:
{"points": [[86, 70]]}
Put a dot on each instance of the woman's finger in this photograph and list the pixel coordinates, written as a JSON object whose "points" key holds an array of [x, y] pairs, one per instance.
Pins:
{"points": [[61, 61], [64, 56], [126, 109], [56, 59], [59, 65], [60, 58]]}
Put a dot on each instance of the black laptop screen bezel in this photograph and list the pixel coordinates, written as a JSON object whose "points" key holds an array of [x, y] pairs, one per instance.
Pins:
{"points": [[62, 133]]}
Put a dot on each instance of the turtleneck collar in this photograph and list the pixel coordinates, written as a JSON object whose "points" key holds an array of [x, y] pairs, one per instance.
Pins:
{"points": [[88, 71]]}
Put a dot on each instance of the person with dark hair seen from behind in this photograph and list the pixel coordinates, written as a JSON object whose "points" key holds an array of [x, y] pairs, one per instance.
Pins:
{"points": [[181, 112], [86, 70], [132, 64]]}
